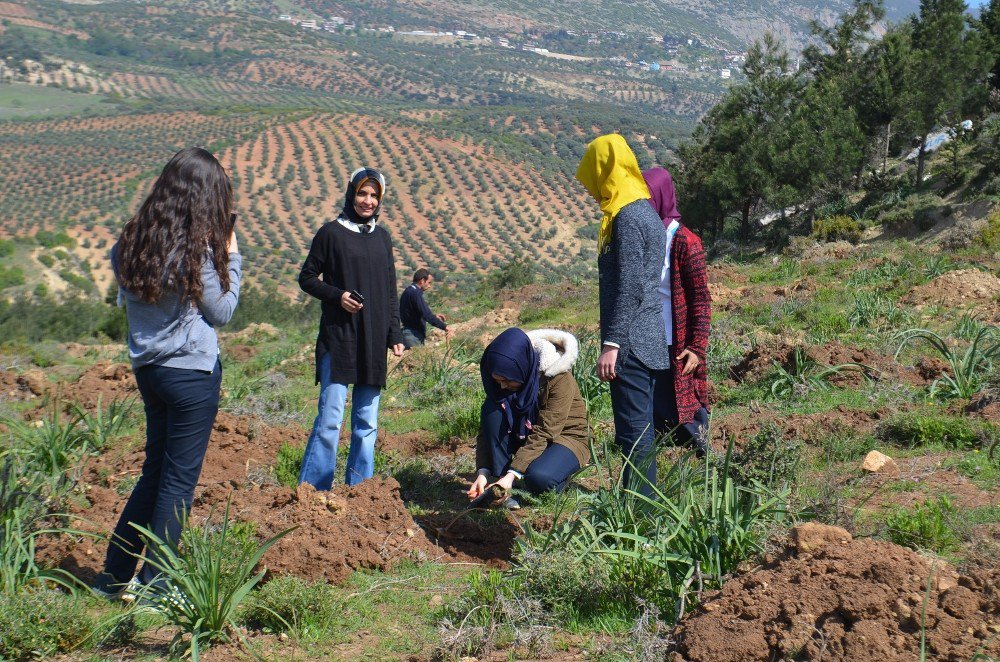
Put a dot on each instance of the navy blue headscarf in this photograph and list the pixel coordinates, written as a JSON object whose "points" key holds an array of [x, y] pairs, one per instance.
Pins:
{"points": [[511, 356]]}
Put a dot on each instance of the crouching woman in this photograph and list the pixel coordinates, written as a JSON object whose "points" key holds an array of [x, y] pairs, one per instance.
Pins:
{"points": [[534, 425]]}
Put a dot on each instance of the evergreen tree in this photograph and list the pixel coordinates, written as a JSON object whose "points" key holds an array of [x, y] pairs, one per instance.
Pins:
{"points": [[989, 19], [948, 70]]}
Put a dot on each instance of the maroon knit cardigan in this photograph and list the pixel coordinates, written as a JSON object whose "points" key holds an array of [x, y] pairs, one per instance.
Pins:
{"points": [[692, 313]]}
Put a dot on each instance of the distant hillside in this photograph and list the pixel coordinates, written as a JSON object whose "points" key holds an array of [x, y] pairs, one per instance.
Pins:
{"points": [[719, 22]]}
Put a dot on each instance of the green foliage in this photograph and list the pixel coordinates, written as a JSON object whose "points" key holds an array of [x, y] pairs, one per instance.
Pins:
{"points": [[876, 311], [767, 459], [11, 276], [38, 623], [205, 578], [595, 392], [7, 247], [698, 524], [804, 375], [49, 239], [50, 446], [32, 319], [494, 613], [288, 463], [837, 228], [916, 430], [968, 368], [290, 604], [924, 527], [103, 425], [517, 273], [990, 236]]}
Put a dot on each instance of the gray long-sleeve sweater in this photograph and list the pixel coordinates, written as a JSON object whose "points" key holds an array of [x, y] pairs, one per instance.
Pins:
{"points": [[181, 335], [629, 271]]}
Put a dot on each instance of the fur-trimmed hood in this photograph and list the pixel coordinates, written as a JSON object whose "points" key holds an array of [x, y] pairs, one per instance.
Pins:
{"points": [[557, 350]]}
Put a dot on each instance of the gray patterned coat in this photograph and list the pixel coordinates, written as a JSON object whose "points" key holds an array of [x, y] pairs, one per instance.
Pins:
{"points": [[629, 271]]}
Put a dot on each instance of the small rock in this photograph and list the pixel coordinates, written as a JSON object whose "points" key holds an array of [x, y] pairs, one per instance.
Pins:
{"points": [[810, 537], [410, 533], [283, 636], [436, 601], [880, 463]]}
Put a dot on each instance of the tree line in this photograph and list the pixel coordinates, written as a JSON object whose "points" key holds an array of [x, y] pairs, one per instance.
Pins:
{"points": [[803, 134]]}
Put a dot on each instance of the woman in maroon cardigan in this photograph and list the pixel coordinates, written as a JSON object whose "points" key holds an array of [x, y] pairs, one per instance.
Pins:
{"points": [[687, 317]]}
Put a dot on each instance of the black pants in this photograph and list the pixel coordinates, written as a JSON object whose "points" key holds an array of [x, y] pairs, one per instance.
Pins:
{"points": [[548, 471], [180, 409], [645, 407]]}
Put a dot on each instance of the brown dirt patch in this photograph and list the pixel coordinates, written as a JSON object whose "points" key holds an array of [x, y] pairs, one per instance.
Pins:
{"points": [[964, 287], [102, 382], [741, 426], [21, 387], [239, 352], [922, 478], [366, 526], [760, 360], [833, 598]]}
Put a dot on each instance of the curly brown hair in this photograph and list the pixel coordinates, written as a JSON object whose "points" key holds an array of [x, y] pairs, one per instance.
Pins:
{"points": [[186, 219]]}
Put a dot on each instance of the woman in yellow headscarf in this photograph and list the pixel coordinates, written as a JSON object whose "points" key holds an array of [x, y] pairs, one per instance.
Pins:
{"points": [[631, 250]]}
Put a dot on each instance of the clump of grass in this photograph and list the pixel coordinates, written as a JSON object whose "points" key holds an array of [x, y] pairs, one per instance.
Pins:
{"points": [[494, 614], [804, 375], [288, 463], [876, 311], [916, 430], [203, 580], [837, 228], [768, 459], [103, 425], [924, 527], [290, 604], [38, 622], [968, 369]]}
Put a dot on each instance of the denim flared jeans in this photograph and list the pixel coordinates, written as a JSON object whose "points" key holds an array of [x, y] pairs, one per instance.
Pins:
{"points": [[320, 461]]}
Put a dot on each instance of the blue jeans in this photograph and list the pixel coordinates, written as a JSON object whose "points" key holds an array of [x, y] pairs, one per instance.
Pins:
{"points": [[320, 461], [411, 339], [548, 471], [180, 409]]}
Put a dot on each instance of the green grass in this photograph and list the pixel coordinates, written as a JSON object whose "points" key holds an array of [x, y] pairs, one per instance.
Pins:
{"points": [[20, 101]]}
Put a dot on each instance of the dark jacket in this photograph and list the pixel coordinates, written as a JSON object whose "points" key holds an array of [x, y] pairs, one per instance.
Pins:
{"points": [[340, 260], [415, 314], [629, 269]]}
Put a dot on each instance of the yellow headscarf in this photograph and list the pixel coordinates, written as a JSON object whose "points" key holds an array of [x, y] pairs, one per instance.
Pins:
{"points": [[610, 173]]}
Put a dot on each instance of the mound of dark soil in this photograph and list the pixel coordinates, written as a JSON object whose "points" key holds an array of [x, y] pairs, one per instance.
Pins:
{"points": [[20, 387], [833, 598]]}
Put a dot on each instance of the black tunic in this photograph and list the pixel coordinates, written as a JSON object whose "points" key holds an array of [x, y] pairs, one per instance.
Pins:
{"points": [[355, 344]]}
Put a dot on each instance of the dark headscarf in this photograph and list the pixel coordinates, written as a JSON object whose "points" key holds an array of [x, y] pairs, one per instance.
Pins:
{"points": [[511, 356], [664, 200], [359, 178]]}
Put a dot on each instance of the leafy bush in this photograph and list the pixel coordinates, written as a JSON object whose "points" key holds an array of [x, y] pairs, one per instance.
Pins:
{"points": [[924, 527], [915, 430], [874, 310], [990, 237], [804, 375], [290, 604], [768, 459], [39, 622], [517, 273], [50, 239], [11, 276], [837, 228]]}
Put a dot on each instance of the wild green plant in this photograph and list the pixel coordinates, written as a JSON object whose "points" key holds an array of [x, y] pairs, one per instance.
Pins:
{"points": [[442, 374], [202, 580], [290, 604], [104, 424], [39, 622], [938, 265], [874, 310], [494, 613], [768, 458], [595, 392], [288, 463], [837, 228], [23, 512], [697, 526], [51, 445], [914, 430], [968, 326], [968, 368], [924, 527], [459, 417], [804, 375]]}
